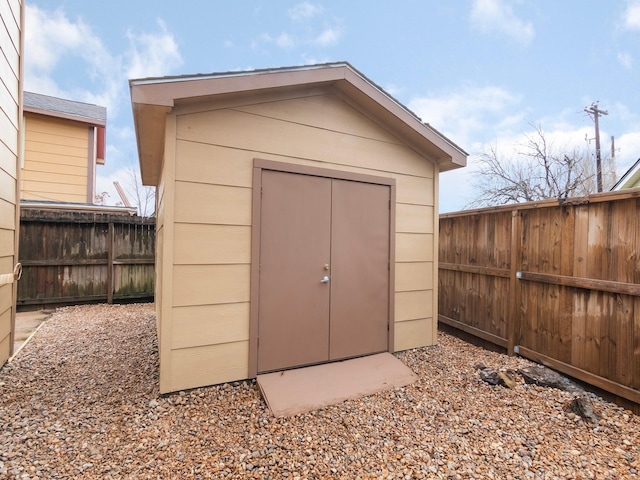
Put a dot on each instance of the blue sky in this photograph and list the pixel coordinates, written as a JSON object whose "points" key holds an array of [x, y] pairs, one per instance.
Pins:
{"points": [[480, 71]]}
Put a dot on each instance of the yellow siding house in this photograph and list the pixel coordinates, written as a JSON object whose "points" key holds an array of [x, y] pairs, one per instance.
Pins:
{"points": [[64, 141]]}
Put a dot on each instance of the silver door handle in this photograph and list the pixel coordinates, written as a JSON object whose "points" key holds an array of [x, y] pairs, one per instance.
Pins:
{"points": [[325, 279]]}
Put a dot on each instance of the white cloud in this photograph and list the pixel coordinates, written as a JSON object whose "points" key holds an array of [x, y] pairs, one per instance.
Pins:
{"points": [[54, 41], [625, 60], [50, 37], [631, 16], [284, 40], [329, 37], [627, 150], [152, 54], [497, 16], [470, 114], [304, 11]]}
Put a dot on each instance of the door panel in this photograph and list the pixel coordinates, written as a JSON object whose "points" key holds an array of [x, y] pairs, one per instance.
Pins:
{"points": [[310, 227], [359, 314], [295, 242]]}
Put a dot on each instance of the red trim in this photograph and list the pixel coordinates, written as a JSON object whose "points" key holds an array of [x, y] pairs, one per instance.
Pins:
{"points": [[100, 145]]}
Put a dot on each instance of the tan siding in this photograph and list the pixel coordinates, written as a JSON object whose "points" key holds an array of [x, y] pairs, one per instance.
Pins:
{"points": [[52, 158], [413, 334], [210, 324], [414, 190], [54, 175], [203, 163], [214, 204], [53, 191], [414, 276], [56, 159], [8, 105], [209, 277], [6, 326], [6, 243], [210, 284], [7, 185], [46, 168], [5, 323], [54, 132], [7, 214], [414, 219], [164, 294], [9, 79], [260, 134], [322, 111], [159, 280], [414, 247], [436, 234], [5, 348], [413, 305], [8, 160], [212, 244], [8, 129], [209, 365]]}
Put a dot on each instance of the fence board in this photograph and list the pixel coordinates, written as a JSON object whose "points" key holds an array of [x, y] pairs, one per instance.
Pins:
{"points": [[73, 257], [557, 281]]}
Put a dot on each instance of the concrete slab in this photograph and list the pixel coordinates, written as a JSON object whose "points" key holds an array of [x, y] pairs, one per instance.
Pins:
{"points": [[26, 325]]}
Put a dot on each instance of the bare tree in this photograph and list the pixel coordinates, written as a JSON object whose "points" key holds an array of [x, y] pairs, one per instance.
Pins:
{"points": [[537, 172], [142, 197]]}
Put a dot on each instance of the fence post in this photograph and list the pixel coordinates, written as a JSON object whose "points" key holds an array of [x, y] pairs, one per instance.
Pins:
{"points": [[513, 322], [110, 246]]}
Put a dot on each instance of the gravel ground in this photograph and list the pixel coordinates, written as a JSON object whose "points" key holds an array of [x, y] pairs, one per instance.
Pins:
{"points": [[81, 401]]}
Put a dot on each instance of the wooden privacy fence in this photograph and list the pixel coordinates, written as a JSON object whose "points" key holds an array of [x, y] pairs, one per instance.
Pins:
{"points": [[556, 282], [71, 257]]}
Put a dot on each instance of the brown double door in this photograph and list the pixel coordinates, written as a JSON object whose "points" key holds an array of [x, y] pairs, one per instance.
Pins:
{"points": [[324, 270]]}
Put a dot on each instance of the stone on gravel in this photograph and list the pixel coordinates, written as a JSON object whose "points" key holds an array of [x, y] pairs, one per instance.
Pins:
{"points": [[545, 377]]}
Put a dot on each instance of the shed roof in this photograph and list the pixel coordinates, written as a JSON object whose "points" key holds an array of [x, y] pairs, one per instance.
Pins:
{"points": [[153, 98], [62, 108]]}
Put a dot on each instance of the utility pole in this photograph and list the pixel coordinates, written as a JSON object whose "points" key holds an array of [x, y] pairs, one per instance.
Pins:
{"points": [[596, 112]]}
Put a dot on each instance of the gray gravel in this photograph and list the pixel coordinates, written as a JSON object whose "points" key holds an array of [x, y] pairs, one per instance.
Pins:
{"points": [[81, 401]]}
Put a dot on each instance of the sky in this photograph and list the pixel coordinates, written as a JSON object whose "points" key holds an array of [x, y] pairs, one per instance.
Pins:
{"points": [[482, 72]]}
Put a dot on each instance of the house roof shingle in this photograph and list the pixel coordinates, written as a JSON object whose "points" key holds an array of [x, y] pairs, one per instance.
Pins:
{"points": [[69, 109]]}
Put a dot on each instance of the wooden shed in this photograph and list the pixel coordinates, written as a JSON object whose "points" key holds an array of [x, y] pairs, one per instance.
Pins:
{"points": [[296, 219]]}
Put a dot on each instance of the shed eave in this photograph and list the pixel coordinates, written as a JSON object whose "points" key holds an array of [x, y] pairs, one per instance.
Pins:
{"points": [[149, 123]]}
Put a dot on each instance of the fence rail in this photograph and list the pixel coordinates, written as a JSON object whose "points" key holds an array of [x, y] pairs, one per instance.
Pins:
{"points": [[556, 282], [71, 257]]}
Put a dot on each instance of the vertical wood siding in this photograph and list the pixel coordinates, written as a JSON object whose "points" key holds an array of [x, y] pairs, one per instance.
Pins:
{"points": [[215, 146]]}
